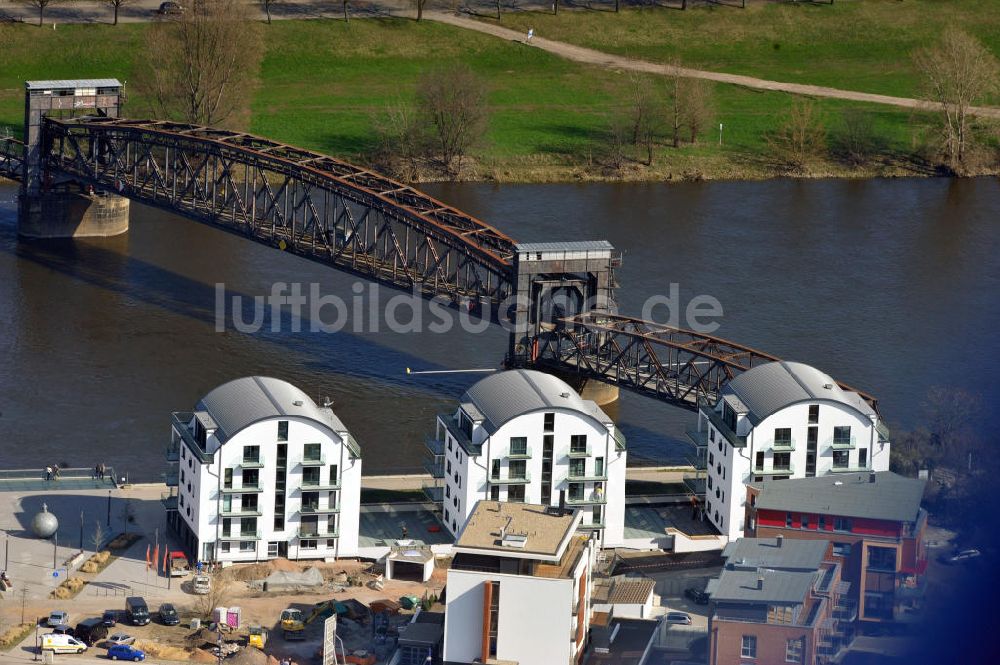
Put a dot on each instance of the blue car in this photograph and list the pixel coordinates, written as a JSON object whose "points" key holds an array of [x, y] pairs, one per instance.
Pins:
{"points": [[126, 652]]}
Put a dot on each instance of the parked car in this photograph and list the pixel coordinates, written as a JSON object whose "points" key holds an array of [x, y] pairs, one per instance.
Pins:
{"points": [[63, 629], [136, 611], [170, 9], [679, 617], [126, 652], [90, 631], [697, 595], [961, 556], [120, 638], [56, 618], [62, 644], [110, 618], [168, 615]]}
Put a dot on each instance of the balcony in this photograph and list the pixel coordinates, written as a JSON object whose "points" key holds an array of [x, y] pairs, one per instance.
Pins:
{"points": [[313, 531], [842, 444], [787, 470], [311, 509], [173, 452], [579, 452], [249, 511], [850, 469], [435, 446], [524, 453], [314, 461], [783, 445], [319, 486], [245, 489], [252, 462], [698, 460], [170, 478], [242, 535], [592, 526], [695, 485], [587, 477], [716, 419], [433, 492], [698, 438], [511, 480], [435, 468], [179, 421], [593, 499]]}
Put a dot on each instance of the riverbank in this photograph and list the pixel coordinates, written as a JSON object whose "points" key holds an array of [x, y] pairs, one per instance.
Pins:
{"points": [[327, 85]]}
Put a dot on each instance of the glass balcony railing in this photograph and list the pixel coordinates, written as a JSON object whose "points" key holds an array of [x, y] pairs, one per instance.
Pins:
{"points": [[512, 480], [252, 462], [579, 451], [314, 509], [842, 443], [314, 460], [783, 445], [586, 476], [519, 453], [243, 489]]}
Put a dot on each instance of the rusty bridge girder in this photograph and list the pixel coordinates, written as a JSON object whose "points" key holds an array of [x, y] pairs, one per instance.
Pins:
{"points": [[308, 203], [11, 158], [682, 367]]}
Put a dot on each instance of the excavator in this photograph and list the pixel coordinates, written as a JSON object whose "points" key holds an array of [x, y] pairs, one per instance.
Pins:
{"points": [[294, 622]]}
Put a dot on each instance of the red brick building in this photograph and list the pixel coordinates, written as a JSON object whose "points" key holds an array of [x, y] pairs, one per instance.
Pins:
{"points": [[874, 522], [777, 601]]}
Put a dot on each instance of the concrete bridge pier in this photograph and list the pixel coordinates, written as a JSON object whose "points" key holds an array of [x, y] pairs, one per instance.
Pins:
{"points": [[65, 214]]}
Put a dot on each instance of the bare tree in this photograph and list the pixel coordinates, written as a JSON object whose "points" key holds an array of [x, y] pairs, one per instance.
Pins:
{"points": [[646, 118], [420, 8], [97, 538], [40, 5], [116, 5], [698, 106], [452, 103], [957, 73], [347, 6], [201, 67], [220, 592], [399, 140], [800, 137], [618, 132], [856, 142], [266, 5]]}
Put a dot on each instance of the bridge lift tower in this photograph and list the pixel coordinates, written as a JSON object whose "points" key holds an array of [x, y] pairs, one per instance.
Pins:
{"points": [[50, 209]]}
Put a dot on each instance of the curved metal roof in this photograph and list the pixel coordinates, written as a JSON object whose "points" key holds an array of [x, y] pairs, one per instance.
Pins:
{"points": [[245, 401], [768, 388], [505, 395]]}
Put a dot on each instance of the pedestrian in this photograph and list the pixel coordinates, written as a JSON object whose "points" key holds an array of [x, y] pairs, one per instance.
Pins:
{"points": [[97, 470], [55, 471], [48, 473], [101, 470], [404, 532], [531, 33]]}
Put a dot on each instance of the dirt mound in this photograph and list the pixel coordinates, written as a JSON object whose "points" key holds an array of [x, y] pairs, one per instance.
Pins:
{"points": [[284, 565], [245, 573], [248, 656]]}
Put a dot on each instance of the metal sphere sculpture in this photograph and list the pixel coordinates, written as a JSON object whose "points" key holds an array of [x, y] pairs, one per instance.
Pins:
{"points": [[44, 524]]}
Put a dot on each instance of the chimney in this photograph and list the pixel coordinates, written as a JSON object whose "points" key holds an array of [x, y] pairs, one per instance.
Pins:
{"points": [[562, 502], [760, 581], [871, 477], [779, 541]]}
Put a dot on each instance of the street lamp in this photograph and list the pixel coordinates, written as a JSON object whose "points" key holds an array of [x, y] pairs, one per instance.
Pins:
{"points": [[109, 507]]}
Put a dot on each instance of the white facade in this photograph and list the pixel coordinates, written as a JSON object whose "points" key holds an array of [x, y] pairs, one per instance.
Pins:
{"points": [[532, 616], [525, 436], [782, 420], [264, 472]]}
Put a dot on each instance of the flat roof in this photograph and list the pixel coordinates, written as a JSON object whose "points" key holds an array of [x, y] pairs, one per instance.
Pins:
{"points": [[779, 586], [631, 638], [572, 246], [64, 84], [545, 530], [621, 590], [890, 497]]}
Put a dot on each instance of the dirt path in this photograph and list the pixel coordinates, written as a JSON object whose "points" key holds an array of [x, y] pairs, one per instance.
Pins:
{"points": [[592, 57]]}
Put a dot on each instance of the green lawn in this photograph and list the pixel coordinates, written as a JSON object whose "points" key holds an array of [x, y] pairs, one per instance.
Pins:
{"points": [[854, 44], [323, 83]]}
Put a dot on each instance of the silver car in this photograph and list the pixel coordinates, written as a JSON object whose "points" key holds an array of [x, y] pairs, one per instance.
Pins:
{"points": [[120, 638], [57, 618]]}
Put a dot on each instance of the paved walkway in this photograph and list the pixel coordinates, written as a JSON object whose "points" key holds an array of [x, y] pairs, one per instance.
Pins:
{"points": [[593, 57]]}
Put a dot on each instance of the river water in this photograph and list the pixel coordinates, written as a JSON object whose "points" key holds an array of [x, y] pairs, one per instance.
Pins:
{"points": [[889, 285]]}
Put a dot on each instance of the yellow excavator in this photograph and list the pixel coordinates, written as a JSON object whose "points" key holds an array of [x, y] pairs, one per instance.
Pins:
{"points": [[257, 637], [292, 624]]}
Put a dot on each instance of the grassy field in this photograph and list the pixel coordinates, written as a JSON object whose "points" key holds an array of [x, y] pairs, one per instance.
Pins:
{"points": [[853, 44], [323, 84]]}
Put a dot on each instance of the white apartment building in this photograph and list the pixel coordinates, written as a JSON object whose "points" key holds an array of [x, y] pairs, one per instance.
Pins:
{"points": [[263, 472], [525, 436], [519, 587], [781, 420]]}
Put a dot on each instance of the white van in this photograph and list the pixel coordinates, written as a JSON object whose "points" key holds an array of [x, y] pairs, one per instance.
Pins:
{"points": [[62, 644]]}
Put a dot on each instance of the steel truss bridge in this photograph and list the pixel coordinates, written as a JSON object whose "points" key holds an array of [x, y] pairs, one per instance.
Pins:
{"points": [[363, 222]]}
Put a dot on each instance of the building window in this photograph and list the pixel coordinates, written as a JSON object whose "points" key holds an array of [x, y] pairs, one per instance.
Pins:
{"points": [[779, 614], [282, 430], [881, 558], [515, 494], [578, 444], [334, 474], [495, 493], [805, 521], [447, 491], [842, 435], [311, 452], [247, 546], [711, 458], [578, 468], [550, 423], [842, 524], [575, 492], [822, 522], [794, 649], [788, 520], [748, 649], [782, 461], [729, 417], [308, 544], [863, 458], [760, 459], [814, 414], [251, 478], [494, 469], [448, 465], [518, 469], [181, 501], [518, 445], [251, 454], [227, 478], [224, 547], [279, 522], [842, 549], [710, 482], [494, 615], [841, 459], [783, 436]]}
